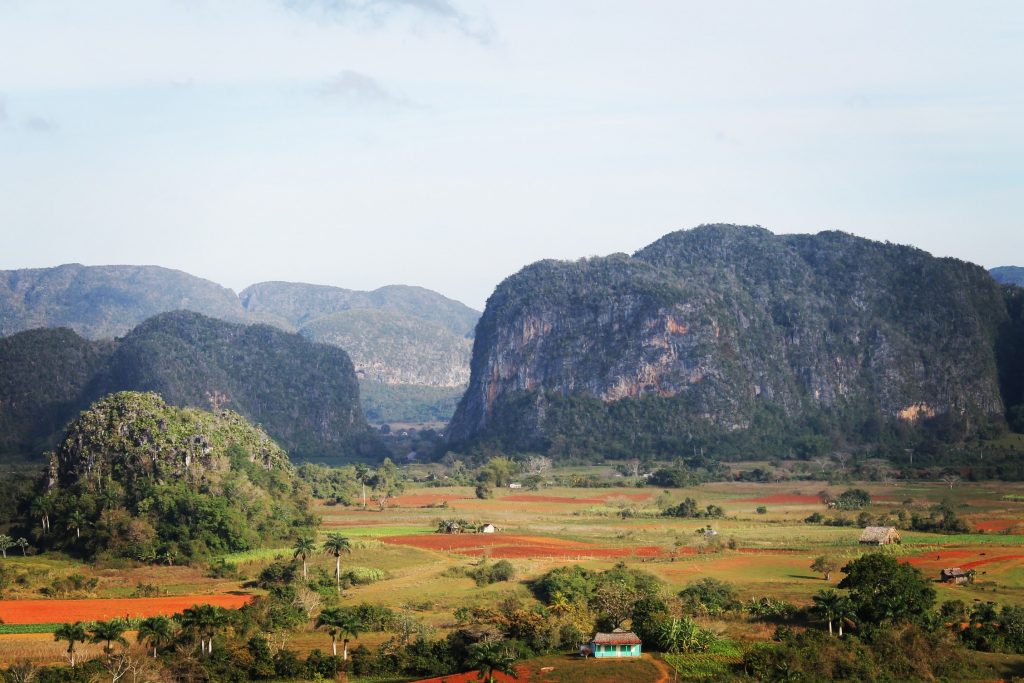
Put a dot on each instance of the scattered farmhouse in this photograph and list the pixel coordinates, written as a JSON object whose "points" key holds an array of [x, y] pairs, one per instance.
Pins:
{"points": [[880, 535], [956, 575], [515, 485], [618, 643], [487, 529]]}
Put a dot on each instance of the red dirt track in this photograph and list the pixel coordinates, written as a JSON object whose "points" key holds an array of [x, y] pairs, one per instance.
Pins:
{"points": [[60, 611]]}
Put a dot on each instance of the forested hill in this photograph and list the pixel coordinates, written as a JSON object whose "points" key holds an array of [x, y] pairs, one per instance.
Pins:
{"points": [[304, 394], [1009, 275], [196, 483], [737, 340]]}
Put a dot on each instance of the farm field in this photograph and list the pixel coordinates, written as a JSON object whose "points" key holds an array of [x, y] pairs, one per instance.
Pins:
{"points": [[760, 553]]}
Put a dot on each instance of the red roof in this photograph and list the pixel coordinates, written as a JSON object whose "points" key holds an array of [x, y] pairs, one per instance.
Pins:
{"points": [[616, 638]]}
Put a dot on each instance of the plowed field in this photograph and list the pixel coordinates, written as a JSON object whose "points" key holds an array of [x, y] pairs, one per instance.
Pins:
{"points": [[530, 498], [507, 546], [58, 611]]}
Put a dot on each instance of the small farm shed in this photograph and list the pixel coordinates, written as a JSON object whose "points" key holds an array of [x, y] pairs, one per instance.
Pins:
{"points": [[515, 485], [956, 575], [618, 643], [487, 529], [880, 535]]}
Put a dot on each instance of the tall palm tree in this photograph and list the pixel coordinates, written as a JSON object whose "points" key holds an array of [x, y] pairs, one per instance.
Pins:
{"points": [[362, 472], [844, 612], [489, 658], [336, 544], [304, 547], [73, 633], [157, 632], [41, 507], [109, 632], [203, 621], [826, 606], [76, 520], [348, 626]]}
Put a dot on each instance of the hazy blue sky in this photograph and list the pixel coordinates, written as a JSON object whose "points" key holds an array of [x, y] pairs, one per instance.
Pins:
{"points": [[447, 143]]}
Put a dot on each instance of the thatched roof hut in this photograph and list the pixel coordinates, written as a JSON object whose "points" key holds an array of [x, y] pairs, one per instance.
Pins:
{"points": [[956, 575], [880, 535]]}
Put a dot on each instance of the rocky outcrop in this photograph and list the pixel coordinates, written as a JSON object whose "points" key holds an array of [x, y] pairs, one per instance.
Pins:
{"points": [[726, 329]]}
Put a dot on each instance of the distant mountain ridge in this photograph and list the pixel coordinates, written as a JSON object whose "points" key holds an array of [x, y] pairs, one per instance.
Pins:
{"points": [[304, 394], [1008, 275], [401, 336], [734, 338], [103, 302]]}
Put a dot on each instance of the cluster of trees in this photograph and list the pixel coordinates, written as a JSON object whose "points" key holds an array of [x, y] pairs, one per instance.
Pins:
{"points": [[690, 510]]}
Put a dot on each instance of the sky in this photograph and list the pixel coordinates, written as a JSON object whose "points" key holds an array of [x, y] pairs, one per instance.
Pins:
{"points": [[448, 143]]}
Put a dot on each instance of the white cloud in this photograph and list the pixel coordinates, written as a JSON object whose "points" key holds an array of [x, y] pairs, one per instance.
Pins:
{"points": [[354, 87]]}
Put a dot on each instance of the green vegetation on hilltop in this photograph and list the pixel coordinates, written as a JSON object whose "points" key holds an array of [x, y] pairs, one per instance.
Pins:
{"points": [[135, 477], [44, 379], [304, 394]]}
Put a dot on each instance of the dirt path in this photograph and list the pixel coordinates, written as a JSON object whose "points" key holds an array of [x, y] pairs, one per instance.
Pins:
{"points": [[664, 668]]}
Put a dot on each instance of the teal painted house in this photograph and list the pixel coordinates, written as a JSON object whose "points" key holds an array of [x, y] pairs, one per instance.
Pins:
{"points": [[618, 643]]}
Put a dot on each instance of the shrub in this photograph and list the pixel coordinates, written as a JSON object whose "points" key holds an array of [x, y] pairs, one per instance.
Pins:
{"points": [[709, 596], [853, 499]]}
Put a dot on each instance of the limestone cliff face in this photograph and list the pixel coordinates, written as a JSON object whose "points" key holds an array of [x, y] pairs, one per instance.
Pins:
{"points": [[732, 322]]}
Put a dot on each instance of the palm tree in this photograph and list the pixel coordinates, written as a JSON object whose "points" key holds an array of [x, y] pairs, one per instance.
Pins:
{"points": [[827, 606], [42, 507], [156, 631], [73, 633], [76, 520], [109, 632], [23, 544], [348, 626], [336, 544], [338, 621], [203, 621], [488, 658], [844, 612], [304, 547], [362, 472], [560, 604]]}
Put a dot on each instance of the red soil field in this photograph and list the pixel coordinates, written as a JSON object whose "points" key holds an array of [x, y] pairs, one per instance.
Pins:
{"points": [[782, 499], [530, 498], [59, 611], [990, 560], [511, 547], [996, 524], [940, 558]]}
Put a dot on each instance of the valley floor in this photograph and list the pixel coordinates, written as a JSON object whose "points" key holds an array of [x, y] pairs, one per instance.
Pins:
{"points": [[760, 553]]}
